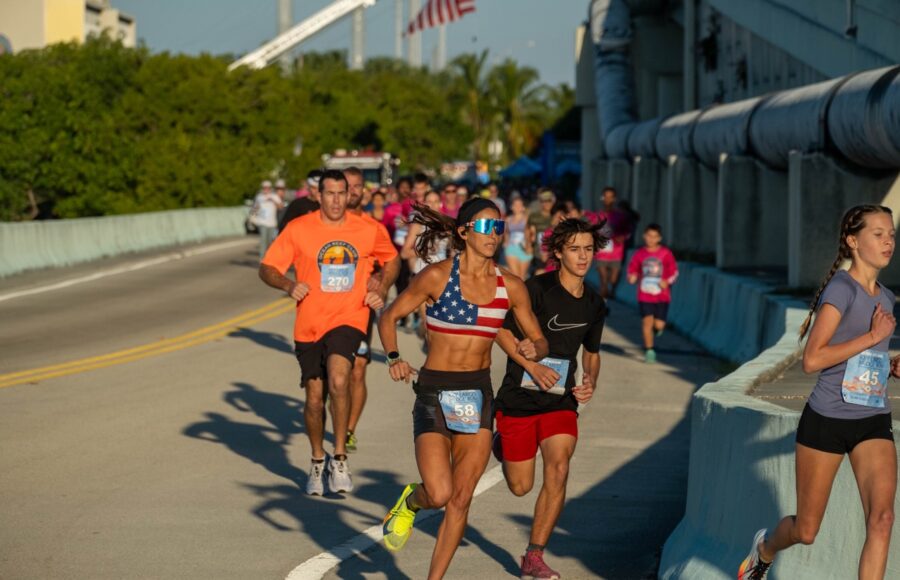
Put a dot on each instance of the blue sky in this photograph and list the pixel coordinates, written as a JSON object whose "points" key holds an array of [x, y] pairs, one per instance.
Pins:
{"points": [[537, 33]]}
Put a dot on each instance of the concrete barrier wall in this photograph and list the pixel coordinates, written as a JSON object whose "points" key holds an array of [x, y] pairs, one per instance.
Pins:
{"points": [[741, 476], [32, 245], [692, 189], [820, 190], [647, 196], [753, 209], [733, 317]]}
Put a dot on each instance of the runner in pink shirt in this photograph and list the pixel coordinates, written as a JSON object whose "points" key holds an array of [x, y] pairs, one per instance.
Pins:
{"points": [[654, 269], [609, 258]]}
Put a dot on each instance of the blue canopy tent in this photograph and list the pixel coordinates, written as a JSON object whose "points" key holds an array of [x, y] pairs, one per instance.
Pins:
{"points": [[521, 167], [568, 165]]}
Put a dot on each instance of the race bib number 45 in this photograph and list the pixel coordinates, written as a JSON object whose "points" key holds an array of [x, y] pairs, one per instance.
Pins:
{"points": [[462, 410], [865, 379]]}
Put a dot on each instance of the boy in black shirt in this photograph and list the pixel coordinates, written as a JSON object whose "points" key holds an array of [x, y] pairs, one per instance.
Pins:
{"points": [[537, 404]]}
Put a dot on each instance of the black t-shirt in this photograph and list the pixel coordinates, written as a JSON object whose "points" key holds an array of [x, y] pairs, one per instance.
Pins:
{"points": [[567, 323], [298, 207]]}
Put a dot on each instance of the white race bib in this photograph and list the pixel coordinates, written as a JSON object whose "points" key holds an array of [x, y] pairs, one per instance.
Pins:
{"points": [[651, 285], [560, 365], [865, 379]]}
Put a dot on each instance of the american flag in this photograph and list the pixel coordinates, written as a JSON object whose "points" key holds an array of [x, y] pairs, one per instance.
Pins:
{"points": [[452, 314], [437, 12]]}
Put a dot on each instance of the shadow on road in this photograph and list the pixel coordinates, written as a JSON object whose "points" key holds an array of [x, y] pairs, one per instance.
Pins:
{"points": [[267, 339], [286, 507], [264, 446], [289, 509], [282, 412]]}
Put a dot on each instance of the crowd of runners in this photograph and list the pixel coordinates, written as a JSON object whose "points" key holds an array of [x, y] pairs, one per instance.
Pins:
{"points": [[474, 268]]}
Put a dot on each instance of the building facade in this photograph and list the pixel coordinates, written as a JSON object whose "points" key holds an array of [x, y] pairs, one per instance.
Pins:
{"points": [[28, 24]]}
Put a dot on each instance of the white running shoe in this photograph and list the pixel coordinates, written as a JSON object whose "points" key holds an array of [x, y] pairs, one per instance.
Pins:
{"points": [[339, 476], [315, 485], [753, 567]]}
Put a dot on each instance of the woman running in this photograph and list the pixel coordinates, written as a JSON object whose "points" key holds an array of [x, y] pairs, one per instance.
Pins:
{"points": [[518, 251], [469, 297], [848, 411]]}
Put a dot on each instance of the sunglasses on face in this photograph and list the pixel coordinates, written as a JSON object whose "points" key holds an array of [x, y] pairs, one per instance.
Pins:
{"points": [[485, 225]]}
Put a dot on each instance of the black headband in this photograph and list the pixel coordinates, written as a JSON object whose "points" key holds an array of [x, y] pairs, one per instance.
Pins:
{"points": [[472, 208]]}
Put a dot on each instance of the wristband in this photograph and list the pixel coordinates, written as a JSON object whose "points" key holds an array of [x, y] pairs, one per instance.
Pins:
{"points": [[393, 358]]}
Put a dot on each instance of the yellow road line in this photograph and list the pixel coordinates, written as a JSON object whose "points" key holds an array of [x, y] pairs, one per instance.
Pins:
{"points": [[236, 321], [200, 336]]}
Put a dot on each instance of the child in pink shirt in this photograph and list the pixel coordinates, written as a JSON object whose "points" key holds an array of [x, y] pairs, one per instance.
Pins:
{"points": [[654, 269]]}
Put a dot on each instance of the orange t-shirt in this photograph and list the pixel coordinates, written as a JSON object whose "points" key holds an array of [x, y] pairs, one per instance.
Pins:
{"points": [[336, 262]]}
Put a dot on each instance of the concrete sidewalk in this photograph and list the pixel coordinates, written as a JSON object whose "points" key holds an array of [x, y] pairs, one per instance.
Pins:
{"points": [[627, 483]]}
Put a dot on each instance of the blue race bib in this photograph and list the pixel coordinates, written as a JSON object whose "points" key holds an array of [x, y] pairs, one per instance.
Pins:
{"points": [[337, 277], [462, 410], [561, 366], [865, 379]]}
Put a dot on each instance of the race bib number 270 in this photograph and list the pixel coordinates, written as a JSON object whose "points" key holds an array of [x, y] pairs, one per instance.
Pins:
{"points": [[338, 278]]}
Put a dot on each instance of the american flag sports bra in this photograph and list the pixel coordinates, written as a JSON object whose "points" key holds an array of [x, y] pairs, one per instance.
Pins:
{"points": [[453, 314]]}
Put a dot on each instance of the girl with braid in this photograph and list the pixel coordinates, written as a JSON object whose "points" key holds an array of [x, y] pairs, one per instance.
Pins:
{"points": [[848, 411]]}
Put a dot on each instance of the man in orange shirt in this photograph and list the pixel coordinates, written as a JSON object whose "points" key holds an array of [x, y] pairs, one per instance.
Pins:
{"points": [[333, 253]]}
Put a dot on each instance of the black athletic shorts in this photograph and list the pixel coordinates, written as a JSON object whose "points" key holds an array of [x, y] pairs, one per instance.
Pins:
{"points": [[365, 347], [841, 435], [428, 417], [343, 340], [658, 310]]}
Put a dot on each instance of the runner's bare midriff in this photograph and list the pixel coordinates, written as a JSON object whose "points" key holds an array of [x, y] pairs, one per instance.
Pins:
{"points": [[458, 353]]}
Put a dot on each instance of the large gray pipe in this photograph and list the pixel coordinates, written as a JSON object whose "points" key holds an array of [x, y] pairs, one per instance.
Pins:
{"points": [[857, 116], [864, 118], [676, 135], [792, 120], [614, 79], [724, 129]]}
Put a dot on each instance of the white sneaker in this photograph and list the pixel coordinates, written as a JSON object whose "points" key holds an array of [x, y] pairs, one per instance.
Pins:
{"points": [[339, 476], [315, 484]]}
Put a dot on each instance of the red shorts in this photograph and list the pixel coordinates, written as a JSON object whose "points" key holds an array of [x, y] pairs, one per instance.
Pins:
{"points": [[521, 436]]}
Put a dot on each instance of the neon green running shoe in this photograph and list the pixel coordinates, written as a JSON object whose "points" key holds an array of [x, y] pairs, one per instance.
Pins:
{"points": [[351, 443], [398, 524]]}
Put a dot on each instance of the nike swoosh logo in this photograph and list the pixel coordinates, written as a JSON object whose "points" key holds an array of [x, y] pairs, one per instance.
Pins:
{"points": [[556, 326]]}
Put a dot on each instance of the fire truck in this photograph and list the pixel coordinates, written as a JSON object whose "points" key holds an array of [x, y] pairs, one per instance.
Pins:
{"points": [[377, 167]]}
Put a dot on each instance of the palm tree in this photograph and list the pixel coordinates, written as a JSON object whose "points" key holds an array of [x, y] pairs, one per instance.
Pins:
{"points": [[520, 109], [469, 69]]}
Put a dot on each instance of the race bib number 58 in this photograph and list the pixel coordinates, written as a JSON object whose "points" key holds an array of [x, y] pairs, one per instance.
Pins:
{"points": [[462, 410]]}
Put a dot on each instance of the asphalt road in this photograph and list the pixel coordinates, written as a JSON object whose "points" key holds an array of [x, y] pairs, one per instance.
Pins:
{"points": [[151, 427]]}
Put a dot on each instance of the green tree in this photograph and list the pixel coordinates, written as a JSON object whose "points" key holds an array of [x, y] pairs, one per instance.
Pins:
{"points": [[470, 77], [96, 128], [519, 111]]}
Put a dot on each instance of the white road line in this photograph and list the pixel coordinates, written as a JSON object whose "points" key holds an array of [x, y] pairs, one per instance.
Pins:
{"points": [[122, 270], [318, 566]]}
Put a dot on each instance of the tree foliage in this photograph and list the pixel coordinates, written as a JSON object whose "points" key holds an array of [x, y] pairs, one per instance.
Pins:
{"points": [[95, 128]]}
